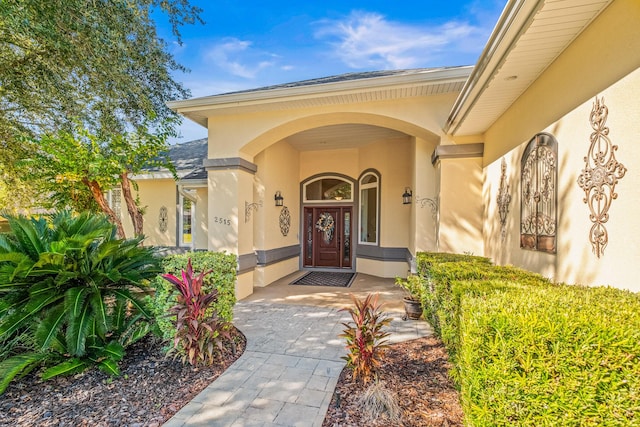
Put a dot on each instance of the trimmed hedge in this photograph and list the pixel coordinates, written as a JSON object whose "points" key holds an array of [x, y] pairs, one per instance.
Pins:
{"points": [[529, 352], [223, 277]]}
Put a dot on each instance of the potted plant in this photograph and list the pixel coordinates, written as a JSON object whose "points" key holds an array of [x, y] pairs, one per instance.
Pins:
{"points": [[412, 305]]}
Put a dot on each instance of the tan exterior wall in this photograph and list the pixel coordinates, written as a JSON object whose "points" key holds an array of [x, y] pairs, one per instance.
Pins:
{"points": [[382, 269], [155, 193], [345, 162], [270, 273], [391, 158], [461, 206], [423, 228], [278, 170], [575, 261]]}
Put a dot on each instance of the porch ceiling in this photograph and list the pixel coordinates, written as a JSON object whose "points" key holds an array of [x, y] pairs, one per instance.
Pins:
{"points": [[529, 36], [341, 136]]}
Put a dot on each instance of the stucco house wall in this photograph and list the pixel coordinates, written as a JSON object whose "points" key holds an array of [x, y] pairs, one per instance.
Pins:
{"points": [[575, 261], [602, 62]]}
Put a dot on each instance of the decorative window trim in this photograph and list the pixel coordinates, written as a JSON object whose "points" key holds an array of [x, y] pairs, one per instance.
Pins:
{"points": [[368, 186], [539, 194]]}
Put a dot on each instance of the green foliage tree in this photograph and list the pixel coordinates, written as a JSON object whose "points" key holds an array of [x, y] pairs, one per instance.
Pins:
{"points": [[75, 169], [99, 63], [71, 294]]}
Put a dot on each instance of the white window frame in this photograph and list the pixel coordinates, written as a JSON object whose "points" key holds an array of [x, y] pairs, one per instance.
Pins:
{"points": [[361, 188], [181, 222]]}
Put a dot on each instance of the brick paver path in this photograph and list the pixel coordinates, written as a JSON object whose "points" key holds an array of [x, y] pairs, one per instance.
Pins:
{"points": [[288, 372]]}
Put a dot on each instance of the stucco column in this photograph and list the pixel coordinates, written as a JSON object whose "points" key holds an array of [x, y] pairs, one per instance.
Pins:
{"points": [[460, 198], [422, 233], [231, 212]]}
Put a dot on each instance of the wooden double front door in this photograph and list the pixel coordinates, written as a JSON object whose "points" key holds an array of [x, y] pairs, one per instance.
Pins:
{"points": [[327, 236]]}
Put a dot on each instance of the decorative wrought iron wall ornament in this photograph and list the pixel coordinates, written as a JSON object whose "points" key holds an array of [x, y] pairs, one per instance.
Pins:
{"points": [[248, 207], [504, 199], [599, 177], [326, 224], [426, 201], [163, 219], [285, 221]]}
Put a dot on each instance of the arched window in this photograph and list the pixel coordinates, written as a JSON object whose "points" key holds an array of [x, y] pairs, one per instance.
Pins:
{"points": [[369, 208], [328, 189], [538, 209]]}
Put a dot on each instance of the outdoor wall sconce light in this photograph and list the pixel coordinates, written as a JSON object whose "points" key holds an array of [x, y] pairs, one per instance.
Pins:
{"points": [[406, 197], [279, 199]]}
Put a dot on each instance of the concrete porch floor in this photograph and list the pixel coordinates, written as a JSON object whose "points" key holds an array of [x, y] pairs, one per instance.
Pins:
{"points": [[281, 292]]}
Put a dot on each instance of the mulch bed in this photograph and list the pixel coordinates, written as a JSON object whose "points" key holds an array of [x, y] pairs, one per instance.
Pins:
{"points": [[417, 373], [150, 390]]}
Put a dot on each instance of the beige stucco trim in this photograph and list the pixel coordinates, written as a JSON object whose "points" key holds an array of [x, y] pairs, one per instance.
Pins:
{"points": [[457, 151], [230, 163]]}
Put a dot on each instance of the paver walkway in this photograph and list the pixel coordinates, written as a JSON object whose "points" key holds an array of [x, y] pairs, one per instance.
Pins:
{"points": [[288, 372]]}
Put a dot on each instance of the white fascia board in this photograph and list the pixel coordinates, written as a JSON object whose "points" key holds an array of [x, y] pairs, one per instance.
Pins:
{"points": [[515, 19], [257, 97]]}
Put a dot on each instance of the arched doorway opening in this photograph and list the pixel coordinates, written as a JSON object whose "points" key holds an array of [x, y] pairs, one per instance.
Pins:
{"points": [[328, 202]]}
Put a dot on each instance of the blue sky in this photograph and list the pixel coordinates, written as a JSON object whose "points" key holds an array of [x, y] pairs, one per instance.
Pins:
{"points": [[250, 44]]}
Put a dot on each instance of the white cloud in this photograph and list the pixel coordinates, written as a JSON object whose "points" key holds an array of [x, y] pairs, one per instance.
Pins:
{"points": [[238, 58], [368, 40]]}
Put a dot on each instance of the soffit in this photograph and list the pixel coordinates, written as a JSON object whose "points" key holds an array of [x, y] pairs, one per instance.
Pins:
{"points": [[341, 136], [419, 83], [528, 38]]}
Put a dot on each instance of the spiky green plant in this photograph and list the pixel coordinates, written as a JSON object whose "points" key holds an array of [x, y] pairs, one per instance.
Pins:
{"points": [[365, 337], [198, 330], [73, 290]]}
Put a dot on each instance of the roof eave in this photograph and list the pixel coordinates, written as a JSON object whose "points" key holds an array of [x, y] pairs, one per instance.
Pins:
{"points": [[513, 21], [322, 89]]}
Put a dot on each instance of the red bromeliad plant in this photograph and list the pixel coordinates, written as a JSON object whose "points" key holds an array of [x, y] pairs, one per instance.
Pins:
{"points": [[365, 337], [197, 337]]}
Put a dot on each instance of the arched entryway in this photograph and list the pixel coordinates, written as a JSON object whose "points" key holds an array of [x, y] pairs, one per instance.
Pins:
{"points": [[327, 224]]}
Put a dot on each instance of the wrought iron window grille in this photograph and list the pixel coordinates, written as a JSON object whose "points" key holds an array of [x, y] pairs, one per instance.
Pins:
{"points": [[538, 209]]}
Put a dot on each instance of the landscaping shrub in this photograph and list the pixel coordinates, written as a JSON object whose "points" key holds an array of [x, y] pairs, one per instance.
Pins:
{"points": [[550, 355], [71, 294], [198, 329], [529, 352], [365, 338], [222, 278]]}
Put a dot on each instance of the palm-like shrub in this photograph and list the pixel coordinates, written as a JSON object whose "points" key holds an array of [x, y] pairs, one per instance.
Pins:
{"points": [[199, 331], [70, 294], [365, 337]]}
